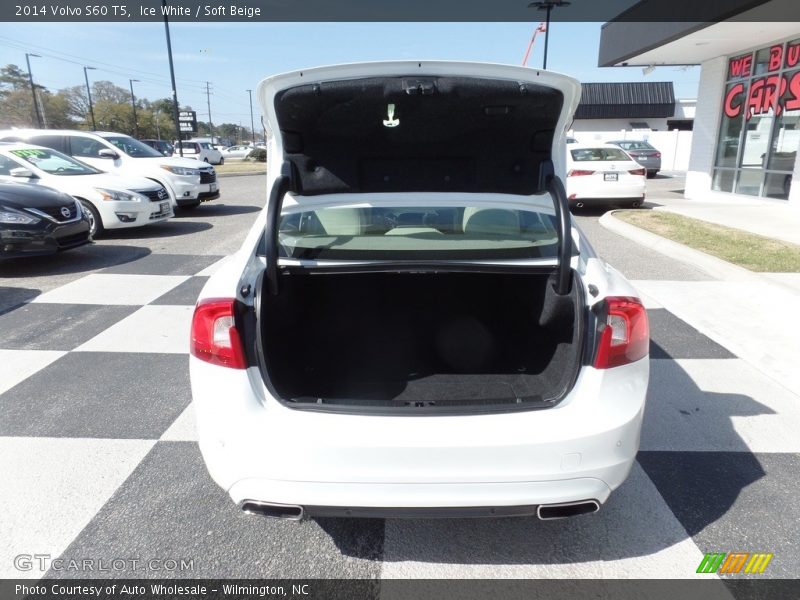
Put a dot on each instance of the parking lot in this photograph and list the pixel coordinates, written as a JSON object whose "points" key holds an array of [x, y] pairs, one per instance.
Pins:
{"points": [[98, 448]]}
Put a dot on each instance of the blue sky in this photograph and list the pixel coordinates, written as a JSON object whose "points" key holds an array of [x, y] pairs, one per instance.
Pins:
{"points": [[235, 57]]}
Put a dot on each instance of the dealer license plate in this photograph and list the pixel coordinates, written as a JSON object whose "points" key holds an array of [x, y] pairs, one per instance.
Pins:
{"points": [[164, 207], [212, 187], [610, 176]]}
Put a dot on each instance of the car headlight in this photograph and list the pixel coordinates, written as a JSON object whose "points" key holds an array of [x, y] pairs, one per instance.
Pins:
{"points": [[118, 195], [12, 217], [181, 170]]}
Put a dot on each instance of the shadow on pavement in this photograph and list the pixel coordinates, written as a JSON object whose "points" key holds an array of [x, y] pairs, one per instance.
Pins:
{"points": [[12, 297], [79, 260], [166, 229], [663, 499], [215, 210]]}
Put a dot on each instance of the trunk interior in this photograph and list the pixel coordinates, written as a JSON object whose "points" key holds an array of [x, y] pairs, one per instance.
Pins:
{"points": [[474, 341]]}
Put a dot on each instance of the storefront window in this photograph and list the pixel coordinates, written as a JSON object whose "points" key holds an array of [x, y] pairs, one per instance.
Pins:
{"points": [[723, 180], [731, 128], [759, 134]]}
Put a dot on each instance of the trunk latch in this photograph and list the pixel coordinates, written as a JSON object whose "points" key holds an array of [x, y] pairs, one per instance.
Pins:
{"points": [[419, 87]]}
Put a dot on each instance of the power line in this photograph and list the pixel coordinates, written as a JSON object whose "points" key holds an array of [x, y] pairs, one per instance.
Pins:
{"points": [[82, 59]]}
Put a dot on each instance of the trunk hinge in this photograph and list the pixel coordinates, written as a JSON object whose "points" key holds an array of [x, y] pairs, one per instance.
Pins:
{"points": [[559, 195], [275, 203]]}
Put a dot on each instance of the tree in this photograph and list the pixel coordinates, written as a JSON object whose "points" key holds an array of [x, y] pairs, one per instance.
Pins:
{"points": [[13, 78]]}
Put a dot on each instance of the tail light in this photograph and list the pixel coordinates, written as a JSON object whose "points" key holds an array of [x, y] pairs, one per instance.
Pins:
{"points": [[579, 172], [625, 336], [641, 171], [215, 338], [658, 154]]}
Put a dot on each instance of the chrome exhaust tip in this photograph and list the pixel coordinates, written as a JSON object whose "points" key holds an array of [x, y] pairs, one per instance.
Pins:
{"points": [[579, 205], [636, 204], [548, 512], [291, 512]]}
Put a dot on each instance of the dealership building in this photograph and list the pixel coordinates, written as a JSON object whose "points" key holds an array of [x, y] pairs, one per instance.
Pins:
{"points": [[747, 118]]}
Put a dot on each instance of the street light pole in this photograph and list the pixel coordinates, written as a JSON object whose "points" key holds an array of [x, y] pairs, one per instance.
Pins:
{"points": [[89, 93], [175, 109], [547, 5], [208, 100], [252, 124], [33, 87], [133, 105]]}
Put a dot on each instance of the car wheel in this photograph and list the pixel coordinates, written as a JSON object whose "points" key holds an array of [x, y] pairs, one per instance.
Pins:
{"points": [[190, 205], [787, 185], [95, 222], [651, 174], [221, 160], [206, 159]]}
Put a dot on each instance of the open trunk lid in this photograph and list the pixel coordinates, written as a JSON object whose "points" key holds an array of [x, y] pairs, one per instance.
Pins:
{"points": [[409, 127]]}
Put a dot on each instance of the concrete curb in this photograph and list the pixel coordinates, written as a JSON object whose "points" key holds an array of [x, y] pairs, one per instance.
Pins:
{"points": [[241, 174], [713, 266]]}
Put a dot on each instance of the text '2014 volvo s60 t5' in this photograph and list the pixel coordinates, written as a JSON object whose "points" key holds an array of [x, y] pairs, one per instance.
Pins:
{"points": [[414, 326]]}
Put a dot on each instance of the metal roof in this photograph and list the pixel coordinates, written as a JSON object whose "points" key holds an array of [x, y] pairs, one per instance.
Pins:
{"points": [[626, 100]]}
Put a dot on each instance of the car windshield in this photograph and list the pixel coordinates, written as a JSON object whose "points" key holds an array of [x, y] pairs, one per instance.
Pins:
{"points": [[53, 162], [598, 154], [421, 232], [133, 148]]}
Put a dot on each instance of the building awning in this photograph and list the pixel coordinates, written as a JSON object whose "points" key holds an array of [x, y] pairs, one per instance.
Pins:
{"points": [[654, 99], [726, 28]]}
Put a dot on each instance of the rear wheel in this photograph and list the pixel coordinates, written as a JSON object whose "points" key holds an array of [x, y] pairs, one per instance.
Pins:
{"points": [[95, 222], [221, 161], [651, 174]]}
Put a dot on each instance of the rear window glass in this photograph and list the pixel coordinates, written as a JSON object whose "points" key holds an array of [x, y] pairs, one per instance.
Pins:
{"points": [[635, 145], [412, 233], [595, 154]]}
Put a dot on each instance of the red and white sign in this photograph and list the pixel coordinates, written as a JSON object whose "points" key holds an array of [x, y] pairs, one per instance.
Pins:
{"points": [[772, 91]]}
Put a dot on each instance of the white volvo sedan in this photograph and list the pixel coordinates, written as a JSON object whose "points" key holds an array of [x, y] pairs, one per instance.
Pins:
{"points": [[414, 327]]}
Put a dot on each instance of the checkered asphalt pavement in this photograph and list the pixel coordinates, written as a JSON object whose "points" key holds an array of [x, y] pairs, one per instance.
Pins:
{"points": [[99, 459]]}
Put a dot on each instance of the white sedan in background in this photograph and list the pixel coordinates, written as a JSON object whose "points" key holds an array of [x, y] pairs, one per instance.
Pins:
{"points": [[603, 174], [235, 152], [110, 201]]}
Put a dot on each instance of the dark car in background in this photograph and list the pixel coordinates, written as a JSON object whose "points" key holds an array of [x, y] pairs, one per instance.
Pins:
{"points": [[37, 220], [163, 146], [643, 153]]}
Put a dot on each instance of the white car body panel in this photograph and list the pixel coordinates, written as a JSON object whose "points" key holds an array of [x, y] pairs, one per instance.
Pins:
{"points": [[255, 447]]}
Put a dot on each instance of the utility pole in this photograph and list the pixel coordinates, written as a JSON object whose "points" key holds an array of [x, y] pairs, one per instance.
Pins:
{"points": [[547, 5], [208, 100], [252, 125], [175, 109], [133, 105], [89, 93], [158, 126], [33, 87]]}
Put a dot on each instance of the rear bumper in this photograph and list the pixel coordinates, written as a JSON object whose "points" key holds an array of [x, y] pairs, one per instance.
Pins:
{"points": [[258, 449]]}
